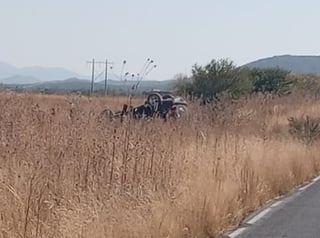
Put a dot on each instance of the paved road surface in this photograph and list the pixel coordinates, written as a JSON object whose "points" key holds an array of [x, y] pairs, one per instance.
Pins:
{"points": [[296, 216]]}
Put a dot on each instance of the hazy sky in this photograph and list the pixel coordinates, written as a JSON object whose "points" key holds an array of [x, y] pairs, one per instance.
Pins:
{"points": [[176, 34]]}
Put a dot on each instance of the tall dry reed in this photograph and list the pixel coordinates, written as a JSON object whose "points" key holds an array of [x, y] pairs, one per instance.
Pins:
{"points": [[65, 174]]}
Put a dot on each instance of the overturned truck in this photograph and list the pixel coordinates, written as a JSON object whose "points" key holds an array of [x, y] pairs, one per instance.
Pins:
{"points": [[156, 105]]}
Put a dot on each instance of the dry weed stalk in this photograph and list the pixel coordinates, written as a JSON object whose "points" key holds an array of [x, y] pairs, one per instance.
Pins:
{"points": [[189, 178]]}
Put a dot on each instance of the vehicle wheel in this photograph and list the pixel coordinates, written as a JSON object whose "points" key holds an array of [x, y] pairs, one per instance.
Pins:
{"points": [[154, 100]]}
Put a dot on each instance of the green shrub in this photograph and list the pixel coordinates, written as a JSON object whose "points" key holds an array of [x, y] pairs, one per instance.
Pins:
{"points": [[218, 77], [272, 80], [305, 129]]}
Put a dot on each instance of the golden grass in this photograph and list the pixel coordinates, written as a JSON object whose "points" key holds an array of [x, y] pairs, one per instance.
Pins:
{"points": [[63, 174]]}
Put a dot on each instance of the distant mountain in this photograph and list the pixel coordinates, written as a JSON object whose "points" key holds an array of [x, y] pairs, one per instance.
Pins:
{"points": [[143, 83], [295, 64], [48, 74], [19, 79], [63, 80], [34, 74], [67, 85], [76, 84], [7, 70]]}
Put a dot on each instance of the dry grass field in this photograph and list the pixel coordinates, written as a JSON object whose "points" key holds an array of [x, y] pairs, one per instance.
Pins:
{"points": [[63, 174]]}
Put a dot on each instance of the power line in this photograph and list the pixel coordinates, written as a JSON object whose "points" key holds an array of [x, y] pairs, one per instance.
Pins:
{"points": [[106, 63], [146, 69]]}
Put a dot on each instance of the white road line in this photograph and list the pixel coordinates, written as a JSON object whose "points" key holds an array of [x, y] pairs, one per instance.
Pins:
{"points": [[307, 186], [264, 212], [259, 216], [316, 179], [237, 232], [276, 204]]}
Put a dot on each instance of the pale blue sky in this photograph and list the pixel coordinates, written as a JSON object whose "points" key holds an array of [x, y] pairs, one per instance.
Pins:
{"points": [[176, 33]]}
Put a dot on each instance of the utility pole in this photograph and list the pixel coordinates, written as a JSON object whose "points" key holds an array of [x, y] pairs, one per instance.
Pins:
{"points": [[93, 62], [92, 75], [106, 77], [92, 79]]}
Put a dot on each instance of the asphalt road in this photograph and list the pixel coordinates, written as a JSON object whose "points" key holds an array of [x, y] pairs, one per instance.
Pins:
{"points": [[295, 216]]}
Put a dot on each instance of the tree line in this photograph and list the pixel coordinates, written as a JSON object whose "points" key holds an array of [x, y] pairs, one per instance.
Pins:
{"points": [[223, 76]]}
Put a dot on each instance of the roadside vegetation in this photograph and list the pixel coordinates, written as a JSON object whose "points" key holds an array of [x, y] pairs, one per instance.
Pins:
{"points": [[65, 174], [224, 77]]}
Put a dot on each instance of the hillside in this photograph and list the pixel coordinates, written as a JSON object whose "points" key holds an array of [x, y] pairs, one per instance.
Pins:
{"points": [[52, 79], [295, 64], [10, 74], [63, 80], [75, 84], [7, 70], [19, 80]]}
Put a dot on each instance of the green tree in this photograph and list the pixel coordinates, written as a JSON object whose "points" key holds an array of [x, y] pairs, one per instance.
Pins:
{"points": [[219, 77], [306, 83], [183, 84], [272, 80]]}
